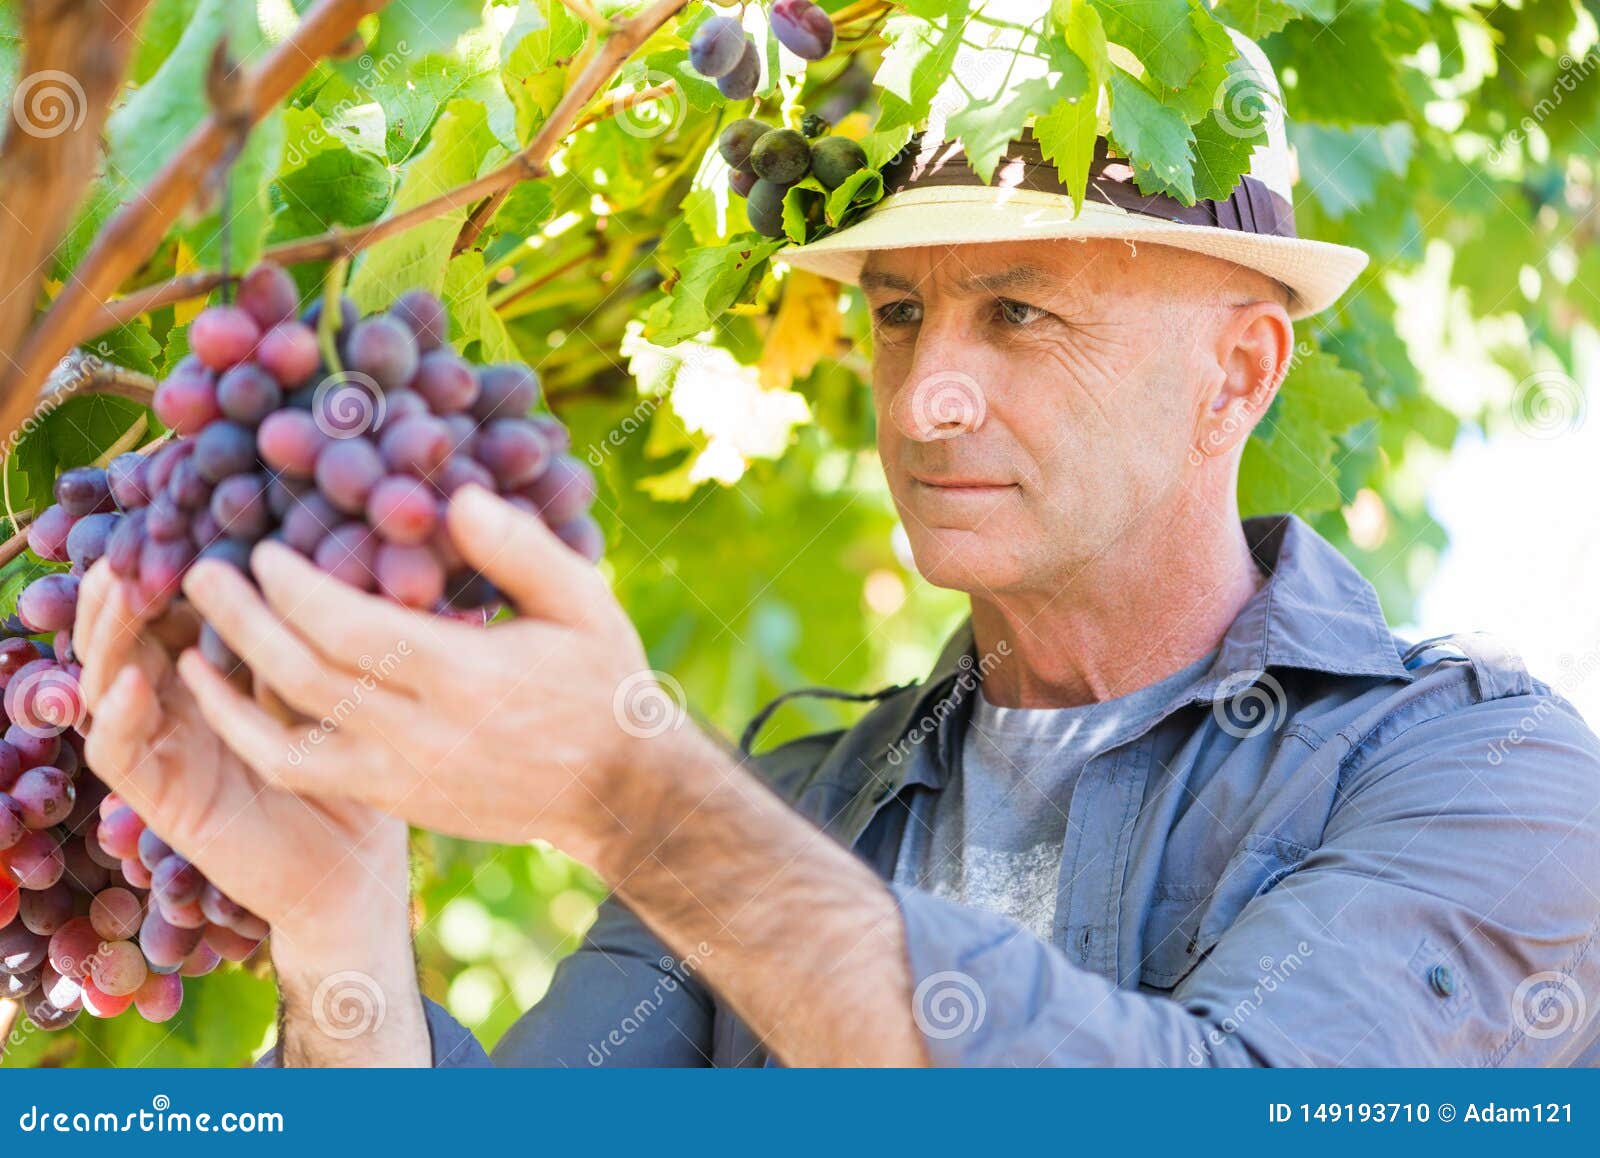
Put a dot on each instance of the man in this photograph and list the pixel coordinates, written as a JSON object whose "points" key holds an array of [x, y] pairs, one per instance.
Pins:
{"points": [[1174, 796]]}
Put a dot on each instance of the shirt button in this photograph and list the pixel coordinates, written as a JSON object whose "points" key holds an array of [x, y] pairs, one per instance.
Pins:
{"points": [[1443, 980]]}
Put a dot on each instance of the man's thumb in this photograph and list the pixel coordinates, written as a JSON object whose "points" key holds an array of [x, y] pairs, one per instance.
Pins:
{"points": [[516, 552]]}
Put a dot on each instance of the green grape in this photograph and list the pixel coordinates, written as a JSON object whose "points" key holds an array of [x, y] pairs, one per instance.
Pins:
{"points": [[765, 208], [833, 159], [781, 156], [737, 139]]}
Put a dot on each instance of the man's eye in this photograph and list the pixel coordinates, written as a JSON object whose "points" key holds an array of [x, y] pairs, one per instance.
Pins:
{"points": [[899, 314], [1019, 313]]}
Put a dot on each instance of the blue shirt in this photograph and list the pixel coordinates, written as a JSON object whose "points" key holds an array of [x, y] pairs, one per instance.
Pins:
{"points": [[1331, 848]]}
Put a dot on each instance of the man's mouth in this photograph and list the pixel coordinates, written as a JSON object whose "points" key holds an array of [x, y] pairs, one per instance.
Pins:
{"points": [[960, 483]]}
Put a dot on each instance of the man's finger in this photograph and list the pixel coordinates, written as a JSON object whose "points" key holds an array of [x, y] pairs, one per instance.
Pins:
{"points": [[355, 630], [274, 654], [291, 757], [519, 555]]}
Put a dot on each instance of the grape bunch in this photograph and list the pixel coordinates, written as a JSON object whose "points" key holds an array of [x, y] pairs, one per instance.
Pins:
{"points": [[96, 913], [768, 161], [722, 51], [350, 465]]}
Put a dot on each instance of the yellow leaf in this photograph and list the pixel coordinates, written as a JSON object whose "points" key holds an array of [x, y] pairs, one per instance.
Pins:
{"points": [[806, 327]]}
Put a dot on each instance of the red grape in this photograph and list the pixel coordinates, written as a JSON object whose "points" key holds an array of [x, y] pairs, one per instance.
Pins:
{"points": [[36, 861], [116, 914], [118, 969], [47, 535], [73, 948], [223, 449], [346, 553], [187, 399], [347, 470], [446, 382], [290, 442], [119, 833], [424, 315], [98, 1003], [223, 336], [505, 390], [289, 353], [268, 295], [43, 911], [512, 450], [20, 948], [46, 796], [15, 653], [160, 997], [247, 394], [240, 506], [12, 828], [409, 575], [384, 350], [402, 510]]}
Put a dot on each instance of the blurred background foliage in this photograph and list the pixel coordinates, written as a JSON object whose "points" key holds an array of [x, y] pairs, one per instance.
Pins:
{"points": [[751, 536]]}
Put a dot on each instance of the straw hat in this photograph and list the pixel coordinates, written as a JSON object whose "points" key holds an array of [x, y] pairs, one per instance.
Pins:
{"points": [[933, 197]]}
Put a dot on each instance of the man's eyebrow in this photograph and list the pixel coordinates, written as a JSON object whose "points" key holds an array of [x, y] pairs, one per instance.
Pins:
{"points": [[872, 280], [1023, 277]]}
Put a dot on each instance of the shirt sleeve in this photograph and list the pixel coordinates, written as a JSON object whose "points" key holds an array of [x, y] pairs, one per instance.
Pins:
{"points": [[622, 999], [1449, 918]]}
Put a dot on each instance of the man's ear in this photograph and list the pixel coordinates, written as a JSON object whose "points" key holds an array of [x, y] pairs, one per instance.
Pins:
{"points": [[1254, 348]]}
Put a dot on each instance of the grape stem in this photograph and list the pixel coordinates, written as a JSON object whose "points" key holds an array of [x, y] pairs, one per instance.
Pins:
{"points": [[128, 239], [529, 164], [589, 14]]}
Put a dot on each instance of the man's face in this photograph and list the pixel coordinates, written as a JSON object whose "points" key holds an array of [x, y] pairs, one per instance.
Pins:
{"points": [[1033, 400]]}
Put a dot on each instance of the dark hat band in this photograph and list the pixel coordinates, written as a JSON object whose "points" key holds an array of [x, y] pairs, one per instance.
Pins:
{"points": [[1251, 208]]}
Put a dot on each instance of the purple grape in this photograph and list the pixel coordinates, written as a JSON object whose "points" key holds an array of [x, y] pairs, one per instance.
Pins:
{"points": [[234, 553], [83, 490], [457, 472], [164, 520], [86, 874], [33, 749], [15, 654], [116, 914], [737, 139], [11, 826], [16, 986], [415, 446], [803, 28], [584, 536], [469, 590], [402, 510], [740, 84], [47, 1016], [161, 568], [512, 450], [239, 505], [384, 350], [223, 449], [247, 394], [282, 492], [21, 949], [506, 390], [741, 182], [289, 353], [152, 849], [564, 491], [268, 295], [290, 441], [223, 336], [164, 943], [187, 487], [411, 576], [187, 400], [72, 947], [308, 522], [446, 382], [45, 796], [49, 602], [164, 461], [160, 997], [346, 472], [176, 881], [216, 651], [424, 315], [716, 46], [347, 553], [36, 861], [128, 477], [398, 405], [43, 911], [204, 529], [86, 542], [47, 535]]}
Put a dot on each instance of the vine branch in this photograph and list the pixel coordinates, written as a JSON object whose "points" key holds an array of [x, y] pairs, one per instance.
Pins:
{"points": [[528, 164], [74, 56], [136, 230]]}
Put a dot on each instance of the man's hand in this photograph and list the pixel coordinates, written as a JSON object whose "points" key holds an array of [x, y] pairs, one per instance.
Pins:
{"points": [[329, 875], [534, 728]]}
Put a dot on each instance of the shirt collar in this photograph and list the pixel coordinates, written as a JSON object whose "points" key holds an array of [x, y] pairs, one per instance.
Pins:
{"points": [[1315, 612]]}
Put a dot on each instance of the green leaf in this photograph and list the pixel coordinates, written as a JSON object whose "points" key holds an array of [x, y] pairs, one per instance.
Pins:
{"points": [[985, 126], [1289, 463], [475, 328], [1261, 18], [417, 258], [10, 47], [335, 185], [412, 98], [159, 34], [863, 187], [74, 433], [1154, 137], [1344, 72], [1222, 149], [1343, 169], [1067, 133], [1173, 48], [409, 27], [915, 64], [131, 345], [707, 281], [546, 35]]}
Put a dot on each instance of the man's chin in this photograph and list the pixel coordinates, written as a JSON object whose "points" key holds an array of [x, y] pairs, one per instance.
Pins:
{"points": [[962, 560]]}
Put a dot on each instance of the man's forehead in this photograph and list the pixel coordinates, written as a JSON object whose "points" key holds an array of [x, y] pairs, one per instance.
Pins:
{"points": [[980, 269]]}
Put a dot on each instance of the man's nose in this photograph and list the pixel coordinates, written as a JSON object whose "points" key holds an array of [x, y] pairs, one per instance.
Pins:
{"points": [[938, 401]]}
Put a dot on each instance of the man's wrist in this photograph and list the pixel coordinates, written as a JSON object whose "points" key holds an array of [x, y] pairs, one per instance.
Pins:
{"points": [[350, 995]]}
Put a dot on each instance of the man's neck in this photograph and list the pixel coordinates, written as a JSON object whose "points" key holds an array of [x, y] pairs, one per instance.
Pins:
{"points": [[1164, 597]]}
